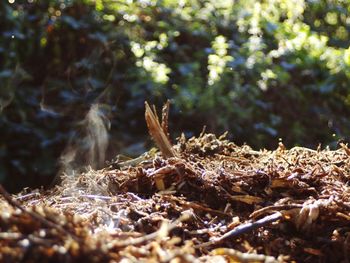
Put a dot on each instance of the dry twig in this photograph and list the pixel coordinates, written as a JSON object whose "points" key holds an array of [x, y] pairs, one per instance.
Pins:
{"points": [[244, 228], [158, 133]]}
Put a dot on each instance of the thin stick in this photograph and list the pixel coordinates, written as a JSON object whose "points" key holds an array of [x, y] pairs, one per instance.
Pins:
{"points": [[244, 228], [237, 256], [186, 215], [194, 205], [274, 208], [165, 118], [35, 215]]}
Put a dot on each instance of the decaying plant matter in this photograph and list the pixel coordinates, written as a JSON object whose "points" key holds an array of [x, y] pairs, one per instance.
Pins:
{"points": [[204, 199]]}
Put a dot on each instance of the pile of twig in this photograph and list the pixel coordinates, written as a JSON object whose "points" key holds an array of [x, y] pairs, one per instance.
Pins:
{"points": [[204, 199]]}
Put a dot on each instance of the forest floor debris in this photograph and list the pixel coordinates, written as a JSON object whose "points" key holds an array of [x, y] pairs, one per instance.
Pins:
{"points": [[208, 201]]}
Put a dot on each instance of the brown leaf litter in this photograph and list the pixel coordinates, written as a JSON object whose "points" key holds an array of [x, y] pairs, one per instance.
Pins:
{"points": [[204, 199]]}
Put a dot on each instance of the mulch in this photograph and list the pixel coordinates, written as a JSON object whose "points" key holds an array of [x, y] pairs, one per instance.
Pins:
{"points": [[205, 200]]}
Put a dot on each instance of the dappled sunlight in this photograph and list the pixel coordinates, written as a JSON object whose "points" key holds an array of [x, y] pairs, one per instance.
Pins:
{"points": [[217, 61]]}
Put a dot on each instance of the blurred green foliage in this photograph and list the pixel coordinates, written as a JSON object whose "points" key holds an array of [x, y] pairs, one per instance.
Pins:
{"points": [[262, 70]]}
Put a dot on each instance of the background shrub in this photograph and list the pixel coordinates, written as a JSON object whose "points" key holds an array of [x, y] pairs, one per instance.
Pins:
{"points": [[261, 70]]}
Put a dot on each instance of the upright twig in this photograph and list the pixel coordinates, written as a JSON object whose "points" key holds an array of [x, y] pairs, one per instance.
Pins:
{"points": [[157, 132], [165, 118]]}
